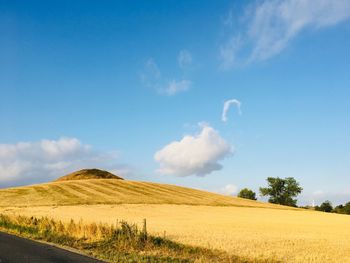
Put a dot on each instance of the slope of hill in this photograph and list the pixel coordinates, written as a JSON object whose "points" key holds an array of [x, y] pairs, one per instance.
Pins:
{"points": [[192, 217], [88, 174], [111, 191]]}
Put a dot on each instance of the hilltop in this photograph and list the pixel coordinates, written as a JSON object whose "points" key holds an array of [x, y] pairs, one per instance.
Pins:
{"points": [[88, 174]]}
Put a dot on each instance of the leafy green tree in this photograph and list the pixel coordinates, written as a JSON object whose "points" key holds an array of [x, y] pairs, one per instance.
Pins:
{"points": [[342, 209], [281, 191], [247, 194], [347, 208], [326, 206], [338, 209]]}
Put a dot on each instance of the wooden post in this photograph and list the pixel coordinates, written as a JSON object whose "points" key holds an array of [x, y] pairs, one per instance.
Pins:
{"points": [[144, 229]]}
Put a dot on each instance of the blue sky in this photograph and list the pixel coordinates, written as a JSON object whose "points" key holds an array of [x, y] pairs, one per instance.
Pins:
{"points": [[111, 85]]}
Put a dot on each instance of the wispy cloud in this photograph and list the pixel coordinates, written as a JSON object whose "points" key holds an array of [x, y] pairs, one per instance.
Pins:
{"points": [[269, 26], [194, 154], [31, 162], [177, 86], [184, 58], [227, 105], [229, 189], [228, 52], [152, 76]]}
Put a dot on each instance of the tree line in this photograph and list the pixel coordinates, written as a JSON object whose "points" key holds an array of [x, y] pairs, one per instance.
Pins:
{"points": [[283, 191], [327, 206]]}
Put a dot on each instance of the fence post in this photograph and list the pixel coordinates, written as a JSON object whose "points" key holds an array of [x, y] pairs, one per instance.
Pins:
{"points": [[144, 229]]}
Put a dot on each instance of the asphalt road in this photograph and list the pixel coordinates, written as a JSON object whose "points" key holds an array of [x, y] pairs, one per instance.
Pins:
{"points": [[19, 250]]}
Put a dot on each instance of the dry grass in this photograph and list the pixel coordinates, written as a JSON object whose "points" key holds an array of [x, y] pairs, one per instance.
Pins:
{"points": [[252, 233], [121, 242], [110, 191], [249, 229]]}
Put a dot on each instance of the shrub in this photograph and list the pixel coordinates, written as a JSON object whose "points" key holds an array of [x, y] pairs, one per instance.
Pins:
{"points": [[247, 194]]}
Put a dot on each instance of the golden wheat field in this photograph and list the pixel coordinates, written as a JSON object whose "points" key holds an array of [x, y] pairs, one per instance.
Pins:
{"points": [[252, 230], [254, 233], [107, 191]]}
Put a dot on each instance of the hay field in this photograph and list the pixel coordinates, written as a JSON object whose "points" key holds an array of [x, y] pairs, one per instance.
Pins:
{"points": [[253, 233], [109, 191], [245, 228]]}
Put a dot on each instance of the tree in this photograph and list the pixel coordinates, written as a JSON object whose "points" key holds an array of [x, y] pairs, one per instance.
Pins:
{"points": [[281, 191], [338, 209], [247, 194], [342, 209], [326, 206], [347, 208]]}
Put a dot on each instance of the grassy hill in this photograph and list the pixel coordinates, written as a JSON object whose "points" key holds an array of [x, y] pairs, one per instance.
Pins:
{"points": [[188, 216], [113, 191]]}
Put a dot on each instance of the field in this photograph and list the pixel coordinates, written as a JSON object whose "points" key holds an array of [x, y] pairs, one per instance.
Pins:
{"points": [[251, 230], [106, 191], [120, 242]]}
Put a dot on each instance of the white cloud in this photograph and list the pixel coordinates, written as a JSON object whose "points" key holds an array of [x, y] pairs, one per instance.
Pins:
{"points": [[177, 86], [152, 77], [62, 147], [194, 155], [227, 106], [184, 58], [228, 52], [269, 26], [31, 162], [229, 189]]}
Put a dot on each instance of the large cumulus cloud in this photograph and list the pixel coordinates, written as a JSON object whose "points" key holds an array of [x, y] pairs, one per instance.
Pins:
{"points": [[194, 155], [44, 160]]}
